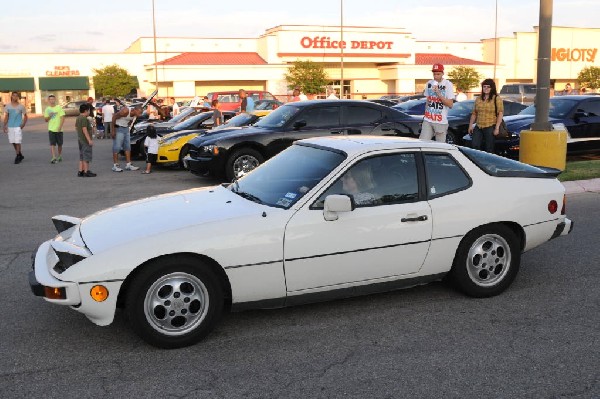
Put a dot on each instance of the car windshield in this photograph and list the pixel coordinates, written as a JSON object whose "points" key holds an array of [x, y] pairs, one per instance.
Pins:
{"points": [[263, 105], [279, 117], [236, 121], [183, 114], [189, 123], [461, 109], [284, 179], [559, 108]]}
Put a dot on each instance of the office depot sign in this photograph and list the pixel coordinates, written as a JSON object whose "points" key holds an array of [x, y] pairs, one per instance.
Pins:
{"points": [[574, 54], [325, 42]]}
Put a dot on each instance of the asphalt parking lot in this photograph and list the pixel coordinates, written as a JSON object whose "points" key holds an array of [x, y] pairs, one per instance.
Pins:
{"points": [[540, 339]]}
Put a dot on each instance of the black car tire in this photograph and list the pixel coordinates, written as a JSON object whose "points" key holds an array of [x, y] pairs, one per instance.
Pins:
{"points": [[174, 302], [242, 162], [487, 261]]}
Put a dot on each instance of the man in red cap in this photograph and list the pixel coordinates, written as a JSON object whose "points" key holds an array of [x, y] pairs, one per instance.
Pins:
{"points": [[439, 94]]}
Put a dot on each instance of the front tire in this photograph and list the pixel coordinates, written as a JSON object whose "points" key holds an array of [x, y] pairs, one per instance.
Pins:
{"points": [[174, 302], [487, 261], [242, 162]]}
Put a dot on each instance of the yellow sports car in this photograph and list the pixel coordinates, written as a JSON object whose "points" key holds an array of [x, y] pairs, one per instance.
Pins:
{"points": [[172, 147]]}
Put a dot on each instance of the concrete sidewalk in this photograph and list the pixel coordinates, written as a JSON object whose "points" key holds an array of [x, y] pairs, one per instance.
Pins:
{"points": [[581, 186]]}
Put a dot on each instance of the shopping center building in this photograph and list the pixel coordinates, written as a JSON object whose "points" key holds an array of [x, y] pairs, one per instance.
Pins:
{"points": [[360, 61]]}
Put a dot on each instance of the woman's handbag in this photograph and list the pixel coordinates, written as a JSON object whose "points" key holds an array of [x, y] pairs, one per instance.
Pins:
{"points": [[502, 130]]}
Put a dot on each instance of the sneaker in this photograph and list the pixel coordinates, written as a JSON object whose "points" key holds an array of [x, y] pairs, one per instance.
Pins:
{"points": [[89, 173], [59, 159], [131, 167], [146, 173], [53, 160], [21, 157], [116, 168], [80, 173]]}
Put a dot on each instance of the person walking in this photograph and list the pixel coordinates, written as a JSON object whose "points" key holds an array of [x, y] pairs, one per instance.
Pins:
{"points": [[439, 94], [331, 94], [246, 103], [217, 114], [108, 110], [174, 107], [487, 116], [151, 144], [15, 119], [55, 116], [121, 138], [84, 138]]}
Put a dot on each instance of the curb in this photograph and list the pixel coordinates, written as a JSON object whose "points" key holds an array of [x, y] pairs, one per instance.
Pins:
{"points": [[582, 186]]}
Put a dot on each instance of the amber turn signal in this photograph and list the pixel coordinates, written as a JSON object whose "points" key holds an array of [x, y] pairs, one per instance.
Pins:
{"points": [[55, 293], [99, 293]]}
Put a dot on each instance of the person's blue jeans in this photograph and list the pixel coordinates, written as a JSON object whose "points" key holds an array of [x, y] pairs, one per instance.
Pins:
{"points": [[483, 138]]}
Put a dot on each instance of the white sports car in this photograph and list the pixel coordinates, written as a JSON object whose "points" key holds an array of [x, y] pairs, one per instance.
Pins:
{"points": [[327, 218]]}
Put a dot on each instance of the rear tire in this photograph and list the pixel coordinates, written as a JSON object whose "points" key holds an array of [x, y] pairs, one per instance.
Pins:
{"points": [[242, 162], [174, 302], [487, 261]]}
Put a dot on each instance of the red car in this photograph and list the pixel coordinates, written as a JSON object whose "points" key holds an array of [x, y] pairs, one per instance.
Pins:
{"points": [[230, 100]]}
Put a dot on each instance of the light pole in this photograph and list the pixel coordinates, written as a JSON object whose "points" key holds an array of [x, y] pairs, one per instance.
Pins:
{"points": [[341, 49], [155, 62], [495, 40]]}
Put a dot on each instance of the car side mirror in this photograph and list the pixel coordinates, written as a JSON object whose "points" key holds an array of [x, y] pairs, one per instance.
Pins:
{"points": [[580, 114], [299, 124], [336, 203]]}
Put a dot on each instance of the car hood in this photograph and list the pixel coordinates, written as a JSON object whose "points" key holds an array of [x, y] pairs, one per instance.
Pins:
{"points": [[516, 123], [133, 221]]}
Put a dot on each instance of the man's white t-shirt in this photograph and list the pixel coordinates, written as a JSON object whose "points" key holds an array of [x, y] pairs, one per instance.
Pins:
{"points": [[107, 112], [435, 110]]}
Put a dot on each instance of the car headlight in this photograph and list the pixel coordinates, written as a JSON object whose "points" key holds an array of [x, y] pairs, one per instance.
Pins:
{"points": [[212, 149]]}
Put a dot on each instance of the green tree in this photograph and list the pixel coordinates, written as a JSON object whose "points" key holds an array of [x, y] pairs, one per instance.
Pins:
{"points": [[464, 77], [308, 76], [113, 81], [589, 77]]}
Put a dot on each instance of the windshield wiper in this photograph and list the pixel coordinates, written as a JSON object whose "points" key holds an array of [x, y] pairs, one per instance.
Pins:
{"points": [[249, 196]]}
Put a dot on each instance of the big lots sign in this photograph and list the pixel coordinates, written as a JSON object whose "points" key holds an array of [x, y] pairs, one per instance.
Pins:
{"points": [[574, 54], [325, 42]]}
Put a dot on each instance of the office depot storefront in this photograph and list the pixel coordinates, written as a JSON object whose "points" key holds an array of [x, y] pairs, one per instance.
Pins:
{"points": [[360, 61]]}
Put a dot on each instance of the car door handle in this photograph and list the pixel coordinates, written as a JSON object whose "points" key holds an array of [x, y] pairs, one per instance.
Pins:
{"points": [[421, 218]]}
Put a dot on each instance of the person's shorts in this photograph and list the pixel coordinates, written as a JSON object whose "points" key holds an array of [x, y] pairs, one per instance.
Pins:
{"points": [[56, 138], [122, 140], [15, 135], [151, 158], [430, 130], [85, 152]]}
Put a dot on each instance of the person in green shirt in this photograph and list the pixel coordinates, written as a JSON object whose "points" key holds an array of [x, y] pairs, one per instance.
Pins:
{"points": [[55, 116]]}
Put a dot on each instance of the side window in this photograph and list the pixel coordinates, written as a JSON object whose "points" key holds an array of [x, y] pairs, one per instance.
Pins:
{"points": [[382, 180], [321, 117], [268, 96], [362, 115], [592, 108], [444, 175]]}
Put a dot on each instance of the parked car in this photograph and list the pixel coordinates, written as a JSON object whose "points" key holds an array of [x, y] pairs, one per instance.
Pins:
{"points": [[185, 114], [523, 93], [72, 108], [230, 100], [417, 212], [202, 120], [412, 107], [578, 114], [174, 146], [387, 103], [235, 153]]}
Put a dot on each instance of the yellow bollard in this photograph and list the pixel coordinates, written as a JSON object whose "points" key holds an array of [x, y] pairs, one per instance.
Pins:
{"points": [[543, 148]]}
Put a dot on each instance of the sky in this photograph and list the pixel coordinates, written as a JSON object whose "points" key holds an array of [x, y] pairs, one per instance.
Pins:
{"points": [[111, 25]]}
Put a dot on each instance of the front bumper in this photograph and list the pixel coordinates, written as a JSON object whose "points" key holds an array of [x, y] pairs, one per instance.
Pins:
{"points": [[202, 165], [78, 295]]}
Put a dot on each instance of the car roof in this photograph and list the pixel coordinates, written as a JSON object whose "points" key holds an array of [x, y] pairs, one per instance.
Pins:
{"points": [[361, 144], [308, 103]]}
